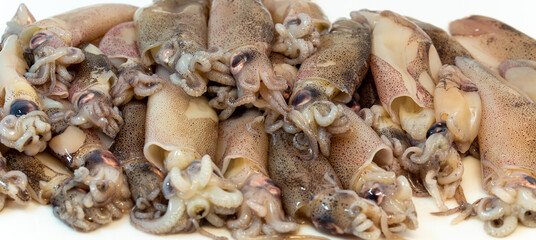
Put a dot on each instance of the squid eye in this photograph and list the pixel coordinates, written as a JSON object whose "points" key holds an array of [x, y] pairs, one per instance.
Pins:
{"points": [[302, 97], [21, 107], [87, 96], [436, 128], [375, 193], [531, 182], [38, 39], [294, 21], [239, 60], [101, 157]]}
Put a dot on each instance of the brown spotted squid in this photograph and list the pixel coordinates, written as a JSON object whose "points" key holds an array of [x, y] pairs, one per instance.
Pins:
{"points": [[24, 125], [311, 191], [507, 141], [144, 179], [52, 41], [169, 33], [13, 185], [119, 44], [90, 93], [243, 155], [299, 24], [98, 182], [240, 37], [180, 139], [50, 182], [328, 77], [357, 158], [491, 41]]}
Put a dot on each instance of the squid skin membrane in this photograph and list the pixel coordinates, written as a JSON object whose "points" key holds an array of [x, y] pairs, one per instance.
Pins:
{"points": [[144, 179], [243, 156], [505, 139], [520, 73], [491, 41]]}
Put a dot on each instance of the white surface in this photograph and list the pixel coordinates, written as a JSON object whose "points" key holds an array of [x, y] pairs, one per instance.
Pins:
{"points": [[33, 220]]}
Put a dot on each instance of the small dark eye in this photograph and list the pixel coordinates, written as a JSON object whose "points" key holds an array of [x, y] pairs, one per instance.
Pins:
{"points": [[295, 21], [374, 193], [238, 60], [38, 39], [436, 128], [302, 97], [88, 96], [101, 156], [21, 107]]}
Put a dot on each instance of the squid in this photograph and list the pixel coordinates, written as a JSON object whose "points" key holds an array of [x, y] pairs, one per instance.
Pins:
{"points": [[119, 44], [98, 178], [52, 41], [522, 74], [506, 141], [357, 158], [311, 191], [299, 24], [405, 68], [240, 36], [491, 41], [22, 17], [24, 125], [144, 179], [90, 93], [329, 76], [447, 47], [242, 155], [180, 139], [170, 32], [50, 182], [13, 184]]}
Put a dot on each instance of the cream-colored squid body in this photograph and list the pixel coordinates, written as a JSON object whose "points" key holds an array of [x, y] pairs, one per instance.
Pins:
{"points": [[180, 139], [405, 65], [522, 74], [24, 125], [506, 140], [243, 157]]}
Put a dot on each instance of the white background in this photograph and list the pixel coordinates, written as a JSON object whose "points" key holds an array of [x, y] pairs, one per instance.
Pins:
{"points": [[34, 220]]}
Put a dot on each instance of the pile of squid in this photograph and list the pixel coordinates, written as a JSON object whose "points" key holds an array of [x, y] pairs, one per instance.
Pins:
{"points": [[260, 115]]}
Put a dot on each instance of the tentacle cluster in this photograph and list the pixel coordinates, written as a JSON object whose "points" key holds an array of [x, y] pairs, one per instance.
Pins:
{"points": [[134, 80], [96, 109], [195, 193], [437, 163], [297, 38], [261, 210], [315, 124], [29, 132]]}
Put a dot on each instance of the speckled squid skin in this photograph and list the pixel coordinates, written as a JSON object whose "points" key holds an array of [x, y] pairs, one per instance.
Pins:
{"points": [[237, 140], [341, 62], [44, 173], [142, 176], [185, 21], [405, 69], [300, 180], [447, 47], [82, 24], [236, 23], [508, 125], [491, 41], [355, 150]]}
